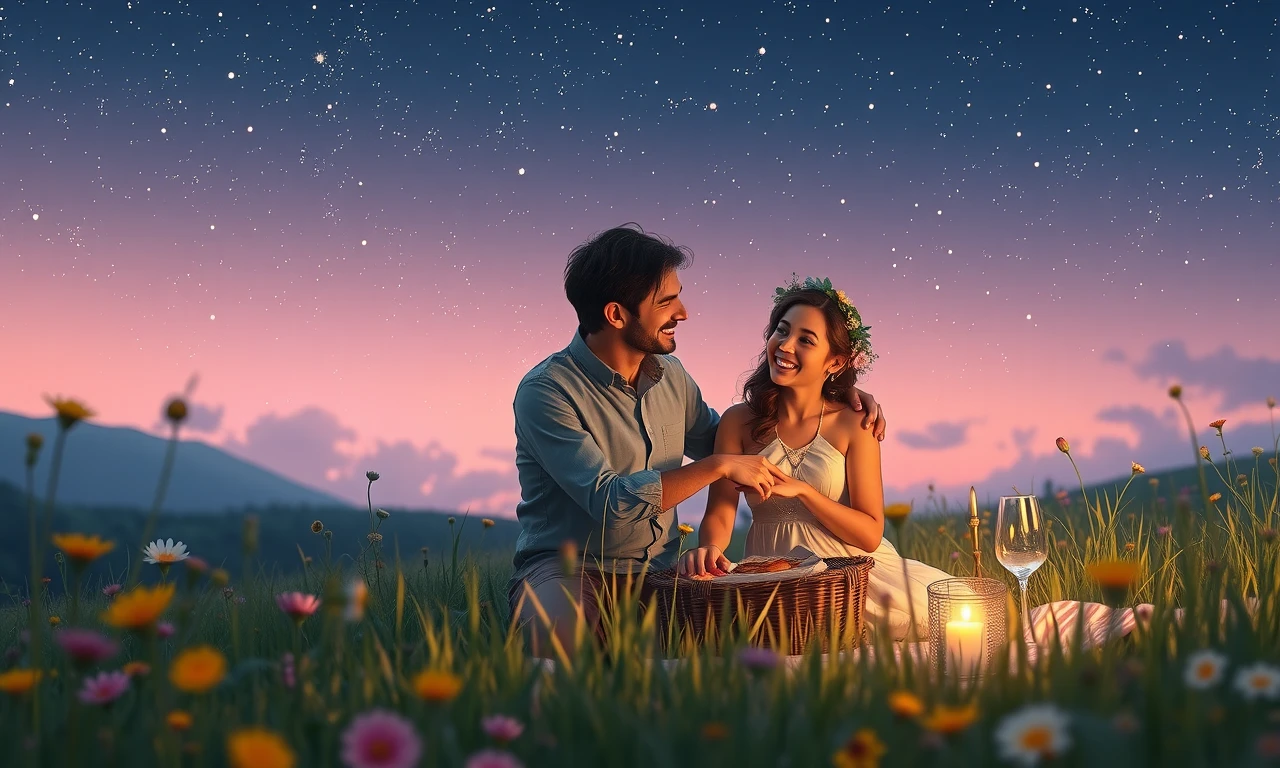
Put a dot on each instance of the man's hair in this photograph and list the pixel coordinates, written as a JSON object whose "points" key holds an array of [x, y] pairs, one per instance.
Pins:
{"points": [[623, 264]]}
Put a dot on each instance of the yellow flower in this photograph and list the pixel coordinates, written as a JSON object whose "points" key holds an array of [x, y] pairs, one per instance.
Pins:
{"points": [[69, 411], [259, 748], [1204, 452], [905, 704], [82, 549], [179, 720], [897, 512], [1113, 573], [437, 685], [16, 682], [951, 720], [863, 750], [1138, 469], [138, 609], [198, 669], [487, 523], [685, 529], [54, 621], [842, 297]]}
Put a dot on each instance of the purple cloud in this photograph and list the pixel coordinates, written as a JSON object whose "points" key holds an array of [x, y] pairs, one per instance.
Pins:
{"points": [[937, 436]]}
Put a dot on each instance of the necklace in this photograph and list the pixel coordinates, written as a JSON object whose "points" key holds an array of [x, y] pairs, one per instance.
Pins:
{"points": [[796, 456]]}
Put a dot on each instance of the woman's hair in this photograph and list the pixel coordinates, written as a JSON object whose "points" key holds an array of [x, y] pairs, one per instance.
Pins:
{"points": [[761, 393], [623, 264]]}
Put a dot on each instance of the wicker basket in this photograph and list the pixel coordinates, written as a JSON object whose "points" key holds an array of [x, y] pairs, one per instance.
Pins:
{"points": [[825, 609]]}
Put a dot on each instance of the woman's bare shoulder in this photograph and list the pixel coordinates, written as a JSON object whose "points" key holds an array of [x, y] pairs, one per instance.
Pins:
{"points": [[737, 415]]}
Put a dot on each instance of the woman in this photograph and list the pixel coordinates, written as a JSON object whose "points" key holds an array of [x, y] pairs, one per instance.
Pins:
{"points": [[833, 504]]}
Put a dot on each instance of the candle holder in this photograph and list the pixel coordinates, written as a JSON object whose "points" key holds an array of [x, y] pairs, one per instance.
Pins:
{"points": [[968, 625]]}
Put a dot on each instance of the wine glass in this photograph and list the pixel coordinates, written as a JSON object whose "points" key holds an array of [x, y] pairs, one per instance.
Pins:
{"points": [[1021, 545]]}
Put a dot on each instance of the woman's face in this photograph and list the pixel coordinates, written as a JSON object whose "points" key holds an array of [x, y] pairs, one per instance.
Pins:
{"points": [[798, 351]]}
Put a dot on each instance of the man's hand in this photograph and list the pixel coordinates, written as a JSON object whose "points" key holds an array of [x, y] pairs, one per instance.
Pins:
{"points": [[704, 560], [873, 414], [754, 472]]}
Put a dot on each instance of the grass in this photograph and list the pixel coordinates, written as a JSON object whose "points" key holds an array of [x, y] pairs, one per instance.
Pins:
{"points": [[1129, 702]]}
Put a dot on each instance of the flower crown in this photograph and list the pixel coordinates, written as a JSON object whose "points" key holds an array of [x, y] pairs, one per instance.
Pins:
{"points": [[859, 334]]}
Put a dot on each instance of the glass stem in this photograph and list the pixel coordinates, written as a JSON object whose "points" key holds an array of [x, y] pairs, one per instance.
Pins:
{"points": [[1027, 629]]}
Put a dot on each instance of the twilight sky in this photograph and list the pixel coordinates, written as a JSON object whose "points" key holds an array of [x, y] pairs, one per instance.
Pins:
{"points": [[351, 219]]}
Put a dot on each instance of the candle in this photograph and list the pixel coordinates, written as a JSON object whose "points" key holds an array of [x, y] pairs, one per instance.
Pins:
{"points": [[964, 643]]}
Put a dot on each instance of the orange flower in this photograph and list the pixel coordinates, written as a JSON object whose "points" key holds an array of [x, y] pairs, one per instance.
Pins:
{"points": [[1113, 573], [179, 720], [259, 748], [951, 720], [437, 685], [138, 609], [81, 549], [16, 682], [905, 704], [1138, 469], [197, 670], [1218, 424], [1214, 498], [1063, 445], [136, 668]]}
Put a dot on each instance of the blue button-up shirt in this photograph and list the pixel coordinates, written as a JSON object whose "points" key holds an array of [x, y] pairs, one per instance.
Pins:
{"points": [[589, 452]]}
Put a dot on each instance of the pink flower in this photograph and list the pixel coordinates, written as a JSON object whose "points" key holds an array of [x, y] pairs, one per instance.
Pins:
{"points": [[111, 590], [105, 688], [758, 658], [380, 739], [492, 758], [164, 630], [85, 646], [298, 605], [501, 728]]}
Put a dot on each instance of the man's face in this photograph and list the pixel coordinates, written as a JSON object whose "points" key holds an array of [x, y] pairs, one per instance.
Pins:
{"points": [[653, 332]]}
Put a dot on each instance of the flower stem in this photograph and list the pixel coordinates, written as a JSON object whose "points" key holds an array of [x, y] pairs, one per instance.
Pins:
{"points": [[161, 488]]}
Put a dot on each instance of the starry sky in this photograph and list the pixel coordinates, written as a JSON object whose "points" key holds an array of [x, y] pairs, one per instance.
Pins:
{"points": [[351, 219]]}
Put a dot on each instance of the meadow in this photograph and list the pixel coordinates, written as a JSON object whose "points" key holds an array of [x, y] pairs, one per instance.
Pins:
{"points": [[394, 657]]}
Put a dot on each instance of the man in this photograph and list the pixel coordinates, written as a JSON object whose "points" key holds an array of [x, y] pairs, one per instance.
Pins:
{"points": [[602, 428]]}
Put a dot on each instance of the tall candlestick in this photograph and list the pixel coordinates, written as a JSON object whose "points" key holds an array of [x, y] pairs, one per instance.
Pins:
{"points": [[973, 531]]}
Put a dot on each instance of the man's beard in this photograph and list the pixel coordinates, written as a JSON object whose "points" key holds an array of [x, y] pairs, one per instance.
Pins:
{"points": [[638, 338]]}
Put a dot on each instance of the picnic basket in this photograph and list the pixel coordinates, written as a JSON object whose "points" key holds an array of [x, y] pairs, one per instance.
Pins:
{"points": [[825, 609]]}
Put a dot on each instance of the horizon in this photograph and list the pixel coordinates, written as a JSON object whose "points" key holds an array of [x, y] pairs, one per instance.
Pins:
{"points": [[1045, 218]]}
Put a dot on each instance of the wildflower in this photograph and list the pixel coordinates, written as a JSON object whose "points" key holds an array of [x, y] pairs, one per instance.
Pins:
{"points": [[896, 513], [715, 731], [198, 669], [103, 689], [371, 475], [451, 520], [82, 549], [165, 630], [492, 758], [55, 621], [905, 704], [1063, 445], [955, 556], [942, 530], [1138, 469], [685, 529], [1113, 573], [219, 577], [1205, 669], [374, 537], [34, 441], [384, 514], [176, 411], [86, 647], [1163, 530], [297, 604], [1271, 402], [258, 748], [1218, 425], [228, 593], [136, 668], [380, 739], [138, 609], [317, 527], [1204, 452], [165, 553], [1243, 480], [1037, 732], [16, 682], [1257, 450], [179, 720], [863, 750], [951, 720], [501, 728], [1129, 546], [437, 685], [69, 411], [1175, 391], [1214, 498], [758, 658], [197, 566], [1260, 681]]}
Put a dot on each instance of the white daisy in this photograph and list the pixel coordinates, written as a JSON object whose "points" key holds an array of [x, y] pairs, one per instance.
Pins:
{"points": [[1260, 681], [1034, 733], [1205, 669], [165, 553]]}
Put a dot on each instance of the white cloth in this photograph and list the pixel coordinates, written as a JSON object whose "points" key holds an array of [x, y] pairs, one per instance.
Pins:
{"points": [[896, 584]]}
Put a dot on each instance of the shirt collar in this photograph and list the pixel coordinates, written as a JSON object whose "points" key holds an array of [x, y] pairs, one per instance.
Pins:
{"points": [[651, 366]]}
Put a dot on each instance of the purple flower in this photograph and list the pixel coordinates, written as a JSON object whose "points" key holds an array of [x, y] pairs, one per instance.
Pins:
{"points": [[380, 739], [492, 758], [758, 658], [501, 728], [86, 647], [1163, 530], [111, 590], [164, 630], [104, 689]]}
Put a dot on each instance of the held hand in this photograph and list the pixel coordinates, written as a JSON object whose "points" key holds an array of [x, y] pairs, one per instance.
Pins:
{"points": [[752, 473], [873, 414], [704, 560]]}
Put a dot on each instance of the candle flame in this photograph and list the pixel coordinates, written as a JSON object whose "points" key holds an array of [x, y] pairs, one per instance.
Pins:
{"points": [[964, 613]]}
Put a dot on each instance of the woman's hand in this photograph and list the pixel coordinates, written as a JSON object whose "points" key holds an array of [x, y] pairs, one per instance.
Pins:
{"points": [[704, 560], [786, 487]]}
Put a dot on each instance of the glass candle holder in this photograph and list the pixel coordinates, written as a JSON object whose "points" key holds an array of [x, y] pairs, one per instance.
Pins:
{"points": [[968, 625]]}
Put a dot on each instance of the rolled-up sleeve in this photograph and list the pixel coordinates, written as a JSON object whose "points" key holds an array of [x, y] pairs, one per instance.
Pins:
{"points": [[701, 422], [550, 427]]}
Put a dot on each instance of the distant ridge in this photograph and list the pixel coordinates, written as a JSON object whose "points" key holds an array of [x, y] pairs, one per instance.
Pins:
{"points": [[119, 467]]}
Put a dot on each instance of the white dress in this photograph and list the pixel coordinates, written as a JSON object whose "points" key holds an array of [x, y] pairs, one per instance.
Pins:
{"points": [[779, 525]]}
